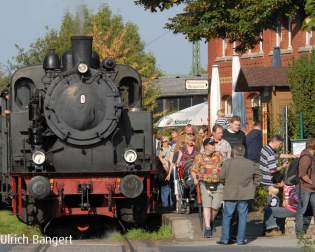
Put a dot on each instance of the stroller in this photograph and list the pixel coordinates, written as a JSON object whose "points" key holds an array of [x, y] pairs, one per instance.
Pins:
{"points": [[184, 190]]}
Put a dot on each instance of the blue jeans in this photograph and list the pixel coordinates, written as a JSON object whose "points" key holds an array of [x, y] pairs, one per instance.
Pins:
{"points": [[273, 214], [166, 196], [305, 198], [242, 210]]}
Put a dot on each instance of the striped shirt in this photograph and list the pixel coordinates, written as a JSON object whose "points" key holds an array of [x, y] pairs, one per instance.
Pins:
{"points": [[267, 164], [223, 122]]}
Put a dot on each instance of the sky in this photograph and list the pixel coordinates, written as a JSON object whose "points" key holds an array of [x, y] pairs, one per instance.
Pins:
{"points": [[22, 21]]}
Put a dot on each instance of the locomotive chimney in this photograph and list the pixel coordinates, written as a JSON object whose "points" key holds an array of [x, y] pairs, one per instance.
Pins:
{"points": [[81, 50]]}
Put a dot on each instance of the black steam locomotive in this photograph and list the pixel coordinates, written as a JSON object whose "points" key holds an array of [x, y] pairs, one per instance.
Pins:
{"points": [[74, 141]]}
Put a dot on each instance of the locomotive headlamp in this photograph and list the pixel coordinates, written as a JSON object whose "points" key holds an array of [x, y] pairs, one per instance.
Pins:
{"points": [[83, 68], [38, 157], [130, 156]]}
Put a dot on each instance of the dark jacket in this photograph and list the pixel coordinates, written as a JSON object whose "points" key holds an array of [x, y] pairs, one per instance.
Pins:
{"points": [[240, 176], [253, 144], [238, 138]]}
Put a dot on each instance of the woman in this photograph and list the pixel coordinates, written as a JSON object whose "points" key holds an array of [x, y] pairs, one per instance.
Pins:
{"points": [[184, 164], [164, 157]]}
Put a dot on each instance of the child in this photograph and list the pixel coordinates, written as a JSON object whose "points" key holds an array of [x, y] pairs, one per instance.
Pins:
{"points": [[273, 200], [221, 120]]}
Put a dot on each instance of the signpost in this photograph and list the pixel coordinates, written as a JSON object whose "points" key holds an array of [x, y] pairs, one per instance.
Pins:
{"points": [[201, 85]]}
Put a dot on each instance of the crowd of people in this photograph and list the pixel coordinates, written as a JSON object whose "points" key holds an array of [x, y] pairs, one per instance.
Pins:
{"points": [[223, 169]]}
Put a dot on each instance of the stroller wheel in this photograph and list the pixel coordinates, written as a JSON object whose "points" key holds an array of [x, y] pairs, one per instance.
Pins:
{"points": [[179, 206], [188, 209]]}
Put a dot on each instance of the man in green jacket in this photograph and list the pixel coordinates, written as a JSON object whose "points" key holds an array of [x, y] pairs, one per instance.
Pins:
{"points": [[240, 176]]}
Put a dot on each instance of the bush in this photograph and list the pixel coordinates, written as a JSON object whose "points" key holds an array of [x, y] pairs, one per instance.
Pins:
{"points": [[302, 85]]}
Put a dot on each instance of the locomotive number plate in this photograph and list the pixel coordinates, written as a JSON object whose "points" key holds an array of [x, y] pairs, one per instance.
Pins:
{"points": [[82, 99]]}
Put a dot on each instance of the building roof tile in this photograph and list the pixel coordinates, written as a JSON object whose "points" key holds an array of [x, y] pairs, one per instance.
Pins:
{"points": [[256, 78]]}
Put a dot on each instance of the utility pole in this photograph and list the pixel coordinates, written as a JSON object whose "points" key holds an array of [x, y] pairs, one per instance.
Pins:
{"points": [[196, 58]]}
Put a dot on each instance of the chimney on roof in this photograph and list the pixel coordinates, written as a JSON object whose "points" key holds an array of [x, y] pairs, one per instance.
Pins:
{"points": [[276, 57]]}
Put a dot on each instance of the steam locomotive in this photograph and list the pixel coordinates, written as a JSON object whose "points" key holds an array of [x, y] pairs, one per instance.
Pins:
{"points": [[75, 141]]}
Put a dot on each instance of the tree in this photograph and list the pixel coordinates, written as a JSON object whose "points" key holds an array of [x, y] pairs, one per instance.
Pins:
{"points": [[309, 23], [302, 86], [241, 21], [112, 38], [4, 78]]}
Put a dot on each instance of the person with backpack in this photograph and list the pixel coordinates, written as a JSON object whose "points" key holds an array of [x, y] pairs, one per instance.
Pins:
{"points": [[306, 186]]}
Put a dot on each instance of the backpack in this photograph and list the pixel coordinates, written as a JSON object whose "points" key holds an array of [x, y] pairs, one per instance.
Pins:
{"points": [[291, 176]]}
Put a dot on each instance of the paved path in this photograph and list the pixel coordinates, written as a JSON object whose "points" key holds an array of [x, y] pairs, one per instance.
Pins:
{"points": [[279, 244]]}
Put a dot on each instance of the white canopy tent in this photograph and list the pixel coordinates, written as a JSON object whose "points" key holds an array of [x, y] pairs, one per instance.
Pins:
{"points": [[195, 115]]}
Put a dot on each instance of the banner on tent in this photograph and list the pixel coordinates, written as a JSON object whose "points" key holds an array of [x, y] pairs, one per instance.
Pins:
{"points": [[176, 122]]}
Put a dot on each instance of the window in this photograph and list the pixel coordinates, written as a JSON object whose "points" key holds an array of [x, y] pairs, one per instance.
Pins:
{"points": [[308, 37], [23, 88], [278, 35], [223, 47], [255, 104], [289, 34], [184, 102], [172, 104], [227, 105], [197, 99], [159, 105]]}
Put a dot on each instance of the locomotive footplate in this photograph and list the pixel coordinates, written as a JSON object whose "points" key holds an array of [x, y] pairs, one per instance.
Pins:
{"points": [[85, 190]]}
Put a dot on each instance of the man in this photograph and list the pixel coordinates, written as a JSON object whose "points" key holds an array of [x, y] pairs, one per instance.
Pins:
{"points": [[306, 186], [254, 143], [233, 135], [240, 177], [206, 170], [221, 145], [269, 159], [202, 135]]}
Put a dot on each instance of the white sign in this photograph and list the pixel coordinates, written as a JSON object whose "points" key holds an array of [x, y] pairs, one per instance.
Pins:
{"points": [[298, 147], [197, 84]]}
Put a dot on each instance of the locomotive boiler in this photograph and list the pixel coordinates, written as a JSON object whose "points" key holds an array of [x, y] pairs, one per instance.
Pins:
{"points": [[75, 141]]}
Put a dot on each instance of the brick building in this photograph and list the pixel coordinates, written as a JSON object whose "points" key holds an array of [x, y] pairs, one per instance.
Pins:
{"points": [[293, 42]]}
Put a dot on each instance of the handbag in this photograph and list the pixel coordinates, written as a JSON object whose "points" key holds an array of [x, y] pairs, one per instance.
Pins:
{"points": [[211, 186]]}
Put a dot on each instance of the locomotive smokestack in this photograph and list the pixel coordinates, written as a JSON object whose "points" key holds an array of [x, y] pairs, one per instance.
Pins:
{"points": [[81, 49]]}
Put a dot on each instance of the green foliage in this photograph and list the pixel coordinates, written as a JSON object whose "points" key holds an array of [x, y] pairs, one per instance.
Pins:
{"points": [[153, 5], [309, 22], [164, 233], [241, 21], [11, 225], [307, 244], [112, 38], [260, 197], [4, 78], [302, 85]]}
